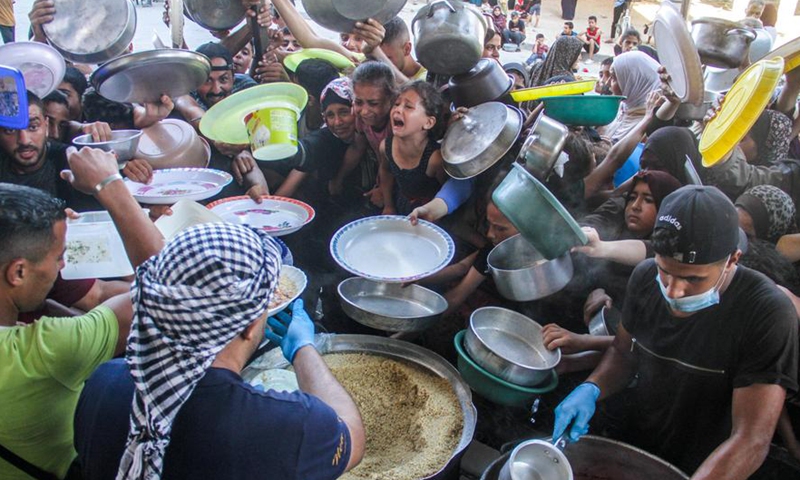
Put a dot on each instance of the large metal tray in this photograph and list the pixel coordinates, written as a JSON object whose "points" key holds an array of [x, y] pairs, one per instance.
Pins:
{"points": [[94, 31], [144, 76], [394, 349]]}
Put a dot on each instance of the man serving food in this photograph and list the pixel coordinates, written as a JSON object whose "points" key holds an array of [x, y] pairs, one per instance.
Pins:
{"points": [[711, 347]]}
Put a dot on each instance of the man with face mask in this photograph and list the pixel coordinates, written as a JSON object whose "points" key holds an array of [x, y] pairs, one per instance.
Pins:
{"points": [[713, 347]]}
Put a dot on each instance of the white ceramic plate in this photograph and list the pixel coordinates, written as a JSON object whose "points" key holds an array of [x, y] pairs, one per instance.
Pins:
{"points": [[94, 249], [41, 65], [275, 215], [185, 214], [173, 184], [298, 279], [388, 248]]}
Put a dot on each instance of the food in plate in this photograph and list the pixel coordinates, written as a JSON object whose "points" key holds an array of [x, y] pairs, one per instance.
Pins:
{"points": [[88, 250], [284, 292]]}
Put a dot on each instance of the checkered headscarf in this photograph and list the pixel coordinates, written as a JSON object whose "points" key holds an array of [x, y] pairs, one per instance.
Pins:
{"points": [[207, 285]]}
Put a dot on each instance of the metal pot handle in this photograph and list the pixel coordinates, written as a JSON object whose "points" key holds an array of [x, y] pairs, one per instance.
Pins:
{"points": [[446, 2], [742, 31]]}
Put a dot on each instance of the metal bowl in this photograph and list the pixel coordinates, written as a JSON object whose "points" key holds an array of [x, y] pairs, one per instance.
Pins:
{"points": [[485, 82], [542, 146], [92, 31], [601, 458], [390, 306], [536, 459], [480, 139], [123, 143], [396, 350], [522, 274], [721, 43], [509, 345], [342, 15], [688, 111], [215, 15], [173, 143], [605, 322]]}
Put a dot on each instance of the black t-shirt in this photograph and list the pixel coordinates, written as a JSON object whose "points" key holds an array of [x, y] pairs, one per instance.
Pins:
{"points": [[688, 367]]}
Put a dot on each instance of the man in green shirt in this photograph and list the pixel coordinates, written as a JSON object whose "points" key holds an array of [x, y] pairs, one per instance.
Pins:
{"points": [[43, 365]]}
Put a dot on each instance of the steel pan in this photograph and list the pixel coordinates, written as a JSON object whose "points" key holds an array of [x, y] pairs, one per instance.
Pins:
{"points": [[91, 31], [215, 14]]}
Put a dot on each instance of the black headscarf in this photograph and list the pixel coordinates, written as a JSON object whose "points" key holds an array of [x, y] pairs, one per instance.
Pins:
{"points": [[560, 59], [669, 146]]}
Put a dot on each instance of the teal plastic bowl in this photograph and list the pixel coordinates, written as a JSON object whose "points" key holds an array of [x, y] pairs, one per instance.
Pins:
{"points": [[585, 110], [494, 388]]}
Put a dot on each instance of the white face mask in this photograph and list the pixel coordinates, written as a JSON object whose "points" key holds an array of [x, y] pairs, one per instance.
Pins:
{"points": [[694, 303]]}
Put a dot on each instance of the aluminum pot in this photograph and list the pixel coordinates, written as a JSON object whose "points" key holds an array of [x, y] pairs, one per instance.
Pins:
{"points": [[509, 345], [598, 457], [536, 459], [687, 111], [214, 14], [485, 82], [342, 15], [721, 43], [480, 139], [522, 274], [453, 27], [605, 322], [397, 350], [123, 143], [391, 307], [542, 146], [92, 32]]}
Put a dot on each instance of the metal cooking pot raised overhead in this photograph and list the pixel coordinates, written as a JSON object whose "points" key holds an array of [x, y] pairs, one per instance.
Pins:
{"points": [[543, 146], [342, 15], [214, 14], [485, 82], [95, 31], [721, 43], [448, 36], [480, 139]]}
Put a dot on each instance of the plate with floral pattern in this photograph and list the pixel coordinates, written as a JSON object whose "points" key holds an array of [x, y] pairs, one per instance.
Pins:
{"points": [[173, 184], [275, 215]]}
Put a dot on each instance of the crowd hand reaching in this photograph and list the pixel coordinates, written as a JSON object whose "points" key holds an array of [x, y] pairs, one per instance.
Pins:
{"points": [[375, 196], [256, 193], [264, 13], [431, 211], [220, 34], [230, 149], [72, 214], [291, 332], [157, 111], [138, 170], [242, 164], [666, 89], [457, 115], [594, 302], [270, 70], [576, 410], [557, 337], [335, 187], [716, 106], [100, 131], [372, 32], [157, 211], [594, 247], [654, 100], [43, 11], [89, 167]]}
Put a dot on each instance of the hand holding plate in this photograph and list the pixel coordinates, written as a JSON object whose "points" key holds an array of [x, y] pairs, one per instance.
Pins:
{"points": [[89, 167]]}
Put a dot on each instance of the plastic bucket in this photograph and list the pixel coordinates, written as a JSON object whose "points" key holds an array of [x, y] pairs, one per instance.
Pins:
{"points": [[273, 131]]}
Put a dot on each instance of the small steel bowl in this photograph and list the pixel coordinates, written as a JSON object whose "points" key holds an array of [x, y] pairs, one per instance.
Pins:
{"points": [[543, 146], [509, 345], [522, 274], [123, 143], [390, 306], [605, 322], [536, 459]]}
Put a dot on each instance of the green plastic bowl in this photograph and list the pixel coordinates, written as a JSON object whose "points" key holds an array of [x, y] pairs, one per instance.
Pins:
{"points": [[494, 388], [585, 110]]}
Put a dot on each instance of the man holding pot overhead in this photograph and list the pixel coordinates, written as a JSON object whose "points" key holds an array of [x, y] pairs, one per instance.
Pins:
{"points": [[709, 348]]}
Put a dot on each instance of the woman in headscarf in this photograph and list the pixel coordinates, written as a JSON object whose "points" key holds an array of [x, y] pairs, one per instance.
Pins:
{"points": [[634, 75], [768, 140], [667, 149], [766, 213], [560, 60]]}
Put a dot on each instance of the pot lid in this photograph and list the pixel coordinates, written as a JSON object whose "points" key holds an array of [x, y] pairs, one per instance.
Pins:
{"points": [[483, 127], [678, 54], [741, 108], [40, 64]]}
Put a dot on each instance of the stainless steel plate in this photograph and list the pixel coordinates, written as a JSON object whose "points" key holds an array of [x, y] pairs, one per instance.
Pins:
{"points": [[215, 14], [91, 31], [143, 76]]}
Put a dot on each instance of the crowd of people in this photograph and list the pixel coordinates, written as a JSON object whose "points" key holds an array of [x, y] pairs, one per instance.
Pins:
{"points": [[139, 378]]}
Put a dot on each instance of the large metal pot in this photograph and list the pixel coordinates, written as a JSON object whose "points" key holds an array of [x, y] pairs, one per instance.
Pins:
{"points": [[342, 15], [721, 43], [485, 82], [397, 350], [86, 31], [480, 139], [522, 274], [510, 345], [215, 14], [449, 36], [603, 458], [543, 146]]}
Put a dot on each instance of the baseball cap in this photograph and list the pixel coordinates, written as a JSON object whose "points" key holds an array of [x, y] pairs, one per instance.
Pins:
{"points": [[214, 50], [705, 223]]}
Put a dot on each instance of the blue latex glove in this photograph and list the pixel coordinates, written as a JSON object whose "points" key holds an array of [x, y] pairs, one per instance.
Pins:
{"points": [[291, 332], [577, 409]]}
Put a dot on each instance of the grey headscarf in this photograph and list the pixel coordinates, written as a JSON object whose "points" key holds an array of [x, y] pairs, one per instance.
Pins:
{"points": [[771, 209], [189, 301]]}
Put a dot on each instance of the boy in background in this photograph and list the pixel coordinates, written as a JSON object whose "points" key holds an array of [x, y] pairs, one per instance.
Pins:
{"points": [[569, 30], [539, 50], [591, 38]]}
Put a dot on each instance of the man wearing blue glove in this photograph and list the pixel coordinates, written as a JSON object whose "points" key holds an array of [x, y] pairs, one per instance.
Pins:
{"points": [[176, 407], [713, 347]]}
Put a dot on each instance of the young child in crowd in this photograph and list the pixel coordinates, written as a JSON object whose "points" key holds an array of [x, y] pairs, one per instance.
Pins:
{"points": [[569, 30], [539, 50], [410, 157], [591, 38]]}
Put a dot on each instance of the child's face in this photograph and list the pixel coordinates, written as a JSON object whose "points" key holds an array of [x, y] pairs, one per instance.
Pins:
{"points": [[629, 43], [408, 115], [499, 226], [592, 23], [540, 40]]}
